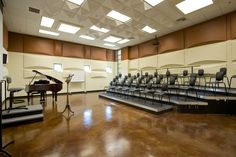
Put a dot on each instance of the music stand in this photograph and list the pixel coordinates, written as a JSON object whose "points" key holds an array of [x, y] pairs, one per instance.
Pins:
{"points": [[68, 80], [2, 148]]}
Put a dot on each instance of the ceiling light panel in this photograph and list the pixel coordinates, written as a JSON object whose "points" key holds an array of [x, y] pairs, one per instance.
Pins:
{"points": [[123, 41], [111, 45], [47, 22], [103, 30], [118, 16], [48, 32], [153, 2], [188, 6], [112, 39], [68, 28], [78, 2], [149, 29], [87, 37]]}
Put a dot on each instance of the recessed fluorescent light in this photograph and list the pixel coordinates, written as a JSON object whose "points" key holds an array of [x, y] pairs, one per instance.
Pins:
{"points": [[78, 2], [47, 22], [112, 39], [48, 32], [68, 28], [87, 37], [153, 2], [149, 29], [123, 41], [118, 16], [189, 6], [111, 45], [104, 30]]}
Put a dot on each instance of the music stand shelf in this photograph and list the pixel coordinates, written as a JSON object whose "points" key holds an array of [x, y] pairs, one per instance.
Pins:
{"points": [[67, 107]]}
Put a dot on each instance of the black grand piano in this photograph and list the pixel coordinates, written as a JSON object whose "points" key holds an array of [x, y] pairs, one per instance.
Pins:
{"points": [[42, 86]]}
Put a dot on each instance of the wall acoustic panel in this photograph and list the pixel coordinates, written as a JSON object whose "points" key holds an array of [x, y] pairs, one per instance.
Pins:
{"points": [[98, 53], [124, 53], [207, 32], [147, 49], [73, 63], [233, 25], [15, 42], [147, 63], [38, 45], [206, 54], [133, 52], [57, 48], [87, 53], [170, 60], [37, 62], [98, 65], [72, 50], [233, 51], [110, 55], [133, 65], [171, 42], [5, 37]]}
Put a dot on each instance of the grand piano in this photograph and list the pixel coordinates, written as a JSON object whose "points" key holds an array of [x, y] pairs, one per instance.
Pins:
{"points": [[42, 86]]}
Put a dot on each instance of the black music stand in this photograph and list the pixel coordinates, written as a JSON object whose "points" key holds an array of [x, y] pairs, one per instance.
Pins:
{"points": [[2, 148], [68, 80]]}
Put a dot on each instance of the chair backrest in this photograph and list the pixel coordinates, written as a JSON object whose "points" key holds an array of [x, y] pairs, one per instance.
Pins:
{"points": [[155, 74], [161, 77], [138, 74], [167, 73], [223, 70], [192, 80], [149, 86], [185, 73], [219, 76], [129, 74], [146, 74], [200, 72], [164, 87], [172, 79], [9, 81], [158, 81], [120, 75]]}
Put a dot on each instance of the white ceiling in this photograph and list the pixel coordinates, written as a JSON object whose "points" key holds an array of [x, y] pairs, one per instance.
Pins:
{"points": [[93, 12]]}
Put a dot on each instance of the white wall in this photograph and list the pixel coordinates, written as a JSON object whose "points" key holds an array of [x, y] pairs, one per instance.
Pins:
{"points": [[210, 57], [20, 66]]}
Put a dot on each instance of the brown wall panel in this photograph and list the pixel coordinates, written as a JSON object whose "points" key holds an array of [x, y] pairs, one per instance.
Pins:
{"points": [[72, 50], [147, 49], [38, 45], [110, 55], [124, 53], [98, 53], [207, 32], [5, 37], [171, 42], [15, 42], [133, 52], [87, 53], [57, 48], [233, 25]]}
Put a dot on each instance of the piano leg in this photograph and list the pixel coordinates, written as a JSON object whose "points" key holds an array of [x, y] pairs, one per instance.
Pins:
{"points": [[28, 97], [55, 96]]}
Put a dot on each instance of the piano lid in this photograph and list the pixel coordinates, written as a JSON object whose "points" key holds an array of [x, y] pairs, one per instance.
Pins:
{"points": [[48, 77]]}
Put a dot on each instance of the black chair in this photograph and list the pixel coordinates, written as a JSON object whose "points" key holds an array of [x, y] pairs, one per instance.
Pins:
{"points": [[224, 71], [230, 82], [167, 76], [162, 92], [184, 77], [201, 76], [172, 82], [12, 98], [219, 79], [148, 91], [191, 84]]}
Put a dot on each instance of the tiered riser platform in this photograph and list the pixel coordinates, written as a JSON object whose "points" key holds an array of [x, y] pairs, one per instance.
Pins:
{"points": [[206, 101]]}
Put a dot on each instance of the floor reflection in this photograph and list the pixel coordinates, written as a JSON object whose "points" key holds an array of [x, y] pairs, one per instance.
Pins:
{"points": [[108, 113], [88, 117]]}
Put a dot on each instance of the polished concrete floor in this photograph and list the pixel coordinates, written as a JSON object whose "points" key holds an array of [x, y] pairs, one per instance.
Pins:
{"points": [[101, 128]]}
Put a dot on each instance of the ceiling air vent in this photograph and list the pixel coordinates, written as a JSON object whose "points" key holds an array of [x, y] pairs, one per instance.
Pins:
{"points": [[181, 19], [34, 10]]}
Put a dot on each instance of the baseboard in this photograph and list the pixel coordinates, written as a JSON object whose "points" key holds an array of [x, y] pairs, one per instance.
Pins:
{"points": [[64, 93]]}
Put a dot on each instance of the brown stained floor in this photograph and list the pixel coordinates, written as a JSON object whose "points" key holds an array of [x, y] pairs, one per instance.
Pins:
{"points": [[101, 128]]}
